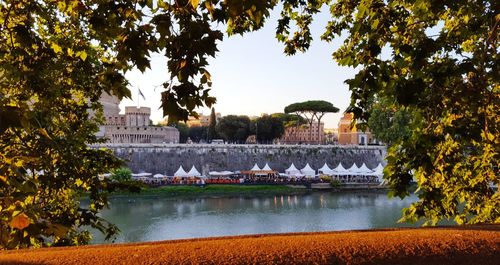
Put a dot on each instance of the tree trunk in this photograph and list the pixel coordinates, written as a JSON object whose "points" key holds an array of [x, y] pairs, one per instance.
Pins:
{"points": [[319, 129]]}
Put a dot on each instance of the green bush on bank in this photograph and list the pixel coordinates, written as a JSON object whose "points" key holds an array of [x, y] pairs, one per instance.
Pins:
{"points": [[122, 174], [333, 182]]}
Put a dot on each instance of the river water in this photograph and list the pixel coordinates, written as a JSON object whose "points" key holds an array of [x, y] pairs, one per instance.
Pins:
{"points": [[148, 218]]}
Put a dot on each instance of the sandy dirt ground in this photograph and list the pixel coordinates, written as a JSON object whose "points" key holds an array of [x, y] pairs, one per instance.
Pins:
{"points": [[445, 245]]}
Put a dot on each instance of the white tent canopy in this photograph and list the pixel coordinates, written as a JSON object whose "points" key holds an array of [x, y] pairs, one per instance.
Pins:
{"points": [[266, 167], [365, 170], [296, 174], [220, 173], [354, 170], [180, 172], [340, 170], [325, 170], [292, 170], [255, 168], [308, 171], [143, 174], [158, 176], [379, 170], [193, 172]]}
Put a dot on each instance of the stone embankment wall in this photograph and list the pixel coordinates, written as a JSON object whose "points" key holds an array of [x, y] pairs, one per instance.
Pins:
{"points": [[166, 158]]}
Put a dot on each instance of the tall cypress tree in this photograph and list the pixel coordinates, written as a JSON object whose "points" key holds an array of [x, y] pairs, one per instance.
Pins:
{"points": [[212, 133]]}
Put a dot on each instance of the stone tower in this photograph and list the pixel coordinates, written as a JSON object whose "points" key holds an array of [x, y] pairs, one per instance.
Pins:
{"points": [[110, 104]]}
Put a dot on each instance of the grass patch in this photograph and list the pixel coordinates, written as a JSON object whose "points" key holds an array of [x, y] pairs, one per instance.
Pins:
{"points": [[172, 191]]}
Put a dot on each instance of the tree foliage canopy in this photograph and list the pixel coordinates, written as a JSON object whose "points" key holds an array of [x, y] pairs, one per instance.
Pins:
{"points": [[212, 132], [267, 128], [442, 66], [389, 124], [289, 120], [310, 110], [311, 106], [234, 129]]}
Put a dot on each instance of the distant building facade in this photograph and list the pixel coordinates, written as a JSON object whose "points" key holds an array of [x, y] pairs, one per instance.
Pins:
{"points": [[134, 126], [353, 136], [203, 120], [331, 136], [303, 134]]}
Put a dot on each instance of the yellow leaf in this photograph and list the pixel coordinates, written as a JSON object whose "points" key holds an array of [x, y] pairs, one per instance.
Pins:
{"points": [[83, 55], [194, 3], [490, 136], [182, 64], [20, 221], [56, 48], [61, 5], [3, 178], [44, 132], [78, 182], [209, 6], [207, 75]]}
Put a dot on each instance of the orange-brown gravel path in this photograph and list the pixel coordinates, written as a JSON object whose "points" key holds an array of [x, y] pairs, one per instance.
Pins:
{"points": [[452, 245]]}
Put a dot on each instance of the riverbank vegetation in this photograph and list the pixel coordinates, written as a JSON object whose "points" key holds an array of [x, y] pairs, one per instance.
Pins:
{"points": [[173, 191]]}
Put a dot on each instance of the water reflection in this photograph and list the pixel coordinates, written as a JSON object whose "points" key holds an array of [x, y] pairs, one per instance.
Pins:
{"points": [[156, 218]]}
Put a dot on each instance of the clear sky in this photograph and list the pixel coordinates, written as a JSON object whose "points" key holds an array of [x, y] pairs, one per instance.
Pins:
{"points": [[251, 75]]}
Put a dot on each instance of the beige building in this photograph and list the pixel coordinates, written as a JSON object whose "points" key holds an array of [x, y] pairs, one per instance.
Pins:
{"points": [[303, 134], [203, 120], [134, 126], [331, 136], [348, 135]]}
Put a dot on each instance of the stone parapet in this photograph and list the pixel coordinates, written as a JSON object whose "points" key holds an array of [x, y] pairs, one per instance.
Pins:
{"points": [[166, 158]]}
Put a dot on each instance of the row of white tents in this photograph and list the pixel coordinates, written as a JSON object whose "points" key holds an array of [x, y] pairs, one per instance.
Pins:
{"points": [[292, 171], [309, 172], [193, 172]]}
